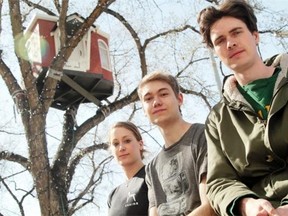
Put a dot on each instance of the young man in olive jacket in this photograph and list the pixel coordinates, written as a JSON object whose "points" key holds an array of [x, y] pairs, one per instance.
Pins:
{"points": [[247, 130]]}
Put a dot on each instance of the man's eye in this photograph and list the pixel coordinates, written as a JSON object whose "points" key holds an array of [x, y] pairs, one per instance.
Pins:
{"points": [[237, 32], [148, 99], [220, 41]]}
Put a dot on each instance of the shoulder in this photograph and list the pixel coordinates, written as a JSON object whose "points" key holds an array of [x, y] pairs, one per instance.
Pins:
{"points": [[197, 127], [197, 133], [110, 196], [217, 111], [278, 60], [151, 164], [155, 163]]}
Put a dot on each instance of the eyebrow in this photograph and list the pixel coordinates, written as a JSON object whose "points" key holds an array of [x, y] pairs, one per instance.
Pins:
{"points": [[159, 90], [235, 29], [232, 30], [124, 137]]}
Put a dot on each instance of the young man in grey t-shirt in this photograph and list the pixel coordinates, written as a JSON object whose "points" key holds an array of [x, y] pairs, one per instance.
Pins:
{"points": [[176, 177]]}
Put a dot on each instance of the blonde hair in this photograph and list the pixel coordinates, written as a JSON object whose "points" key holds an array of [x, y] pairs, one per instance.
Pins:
{"points": [[159, 76]]}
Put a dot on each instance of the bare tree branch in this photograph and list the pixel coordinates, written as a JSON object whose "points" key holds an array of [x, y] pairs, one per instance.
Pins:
{"points": [[199, 94], [39, 7], [83, 153], [104, 112], [17, 29], [57, 5], [14, 89], [140, 48], [10, 156], [14, 197], [62, 24], [14, 174], [91, 184], [11, 133], [171, 31]]}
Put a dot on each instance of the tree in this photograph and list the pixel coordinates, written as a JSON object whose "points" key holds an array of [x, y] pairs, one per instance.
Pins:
{"points": [[139, 47]]}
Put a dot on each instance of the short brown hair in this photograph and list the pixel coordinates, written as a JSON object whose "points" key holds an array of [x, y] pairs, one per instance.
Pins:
{"points": [[238, 9], [159, 76]]}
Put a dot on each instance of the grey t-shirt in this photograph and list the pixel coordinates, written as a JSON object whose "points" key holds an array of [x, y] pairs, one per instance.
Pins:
{"points": [[173, 176]]}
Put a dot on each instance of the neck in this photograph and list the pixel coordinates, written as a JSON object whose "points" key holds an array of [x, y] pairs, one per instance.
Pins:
{"points": [[174, 131], [131, 170], [257, 71]]}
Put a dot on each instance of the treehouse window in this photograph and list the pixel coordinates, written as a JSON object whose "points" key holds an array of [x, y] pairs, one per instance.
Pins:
{"points": [[104, 55]]}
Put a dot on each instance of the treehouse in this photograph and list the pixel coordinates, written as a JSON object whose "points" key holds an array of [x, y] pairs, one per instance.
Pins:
{"points": [[87, 75]]}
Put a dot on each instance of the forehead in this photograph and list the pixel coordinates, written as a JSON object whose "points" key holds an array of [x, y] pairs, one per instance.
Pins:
{"points": [[119, 132], [225, 25], [154, 86]]}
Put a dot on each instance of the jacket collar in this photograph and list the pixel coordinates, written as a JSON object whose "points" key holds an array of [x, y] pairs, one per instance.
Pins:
{"points": [[230, 90]]}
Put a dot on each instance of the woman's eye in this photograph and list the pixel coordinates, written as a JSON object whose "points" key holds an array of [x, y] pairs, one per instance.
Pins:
{"points": [[127, 141], [115, 144]]}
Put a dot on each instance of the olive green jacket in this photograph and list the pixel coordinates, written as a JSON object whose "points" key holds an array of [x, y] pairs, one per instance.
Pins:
{"points": [[248, 156]]}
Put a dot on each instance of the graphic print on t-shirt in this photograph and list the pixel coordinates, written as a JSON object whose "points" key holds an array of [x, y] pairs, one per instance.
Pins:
{"points": [[175, 184], [131, 199]]}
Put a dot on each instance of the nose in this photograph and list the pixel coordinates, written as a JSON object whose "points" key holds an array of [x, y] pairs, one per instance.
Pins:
{"points": [[231, 44], [156, 102], [121, 147]]}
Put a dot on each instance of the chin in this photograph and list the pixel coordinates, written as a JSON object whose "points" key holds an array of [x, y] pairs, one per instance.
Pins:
{"points": [[233, 66], [158, 120]]}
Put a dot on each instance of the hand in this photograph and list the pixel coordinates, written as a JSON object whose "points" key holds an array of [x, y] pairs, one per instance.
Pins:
{"points": [[258, 207], [282, 210]]}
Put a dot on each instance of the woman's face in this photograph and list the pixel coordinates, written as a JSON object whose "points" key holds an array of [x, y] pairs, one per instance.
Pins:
{"points": [[125, 148]]}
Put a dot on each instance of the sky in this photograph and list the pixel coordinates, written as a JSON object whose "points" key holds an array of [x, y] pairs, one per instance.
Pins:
{"points": [[11, 114]]}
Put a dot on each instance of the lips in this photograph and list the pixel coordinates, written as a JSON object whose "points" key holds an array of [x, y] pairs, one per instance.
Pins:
{"points": [[124, 155], [158, 111], [231, 55]]}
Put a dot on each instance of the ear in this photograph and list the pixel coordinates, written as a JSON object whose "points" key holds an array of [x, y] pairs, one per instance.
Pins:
{"points": [[256, 36], [180, 99], [141, 144]]}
